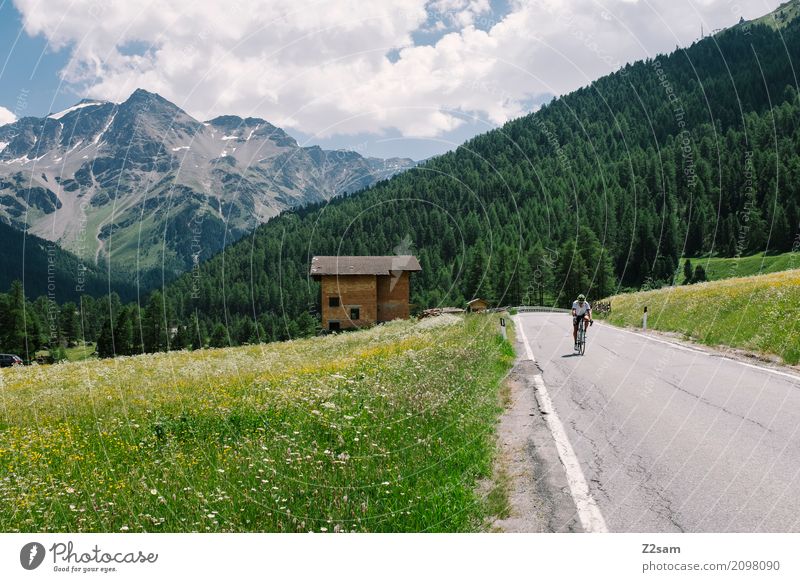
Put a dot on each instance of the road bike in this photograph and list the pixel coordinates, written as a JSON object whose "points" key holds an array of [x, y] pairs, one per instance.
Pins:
{"points": [[580, 343]]}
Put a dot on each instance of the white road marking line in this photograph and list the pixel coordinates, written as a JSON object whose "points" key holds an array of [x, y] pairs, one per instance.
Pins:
{"points": [[648, 337], [524, 339], [763, 369], [588, 511]]}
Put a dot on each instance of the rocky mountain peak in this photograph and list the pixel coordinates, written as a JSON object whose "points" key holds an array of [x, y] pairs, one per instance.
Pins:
{"points": [[140, 170]]}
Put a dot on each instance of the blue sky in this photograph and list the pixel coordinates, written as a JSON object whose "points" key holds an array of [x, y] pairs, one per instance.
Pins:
{"points": [[393, 78], [29, 81]]}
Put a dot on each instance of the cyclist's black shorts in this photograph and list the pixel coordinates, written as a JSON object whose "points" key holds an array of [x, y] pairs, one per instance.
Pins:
{"points": [[577, 318]]}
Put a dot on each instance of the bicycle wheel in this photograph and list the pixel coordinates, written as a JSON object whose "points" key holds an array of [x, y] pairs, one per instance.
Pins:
{"points": [[582, 340]]}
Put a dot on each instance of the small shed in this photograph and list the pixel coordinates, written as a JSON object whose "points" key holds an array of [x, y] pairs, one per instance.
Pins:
{"points": [[477, 305], [358, 291]]}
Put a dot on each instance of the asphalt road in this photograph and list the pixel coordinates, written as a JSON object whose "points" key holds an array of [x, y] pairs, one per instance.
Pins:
{"points": [[672, 438]]}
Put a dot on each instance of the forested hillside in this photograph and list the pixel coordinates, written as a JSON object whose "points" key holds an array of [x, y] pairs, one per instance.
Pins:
{"points": [[46, 268], [691, 153]]}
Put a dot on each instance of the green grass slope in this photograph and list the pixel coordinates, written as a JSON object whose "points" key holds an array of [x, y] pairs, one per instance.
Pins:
{"points": [[380, 430], [759, 264], [754, 313]]}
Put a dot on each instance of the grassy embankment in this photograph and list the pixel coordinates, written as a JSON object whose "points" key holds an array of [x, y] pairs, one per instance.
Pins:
{"points": [[760, 264], [754, 313], [74, 354], [381, 430]]}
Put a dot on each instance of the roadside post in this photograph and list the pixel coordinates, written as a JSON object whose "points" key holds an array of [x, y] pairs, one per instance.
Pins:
{"points": [[503, 328], [644, 318]]}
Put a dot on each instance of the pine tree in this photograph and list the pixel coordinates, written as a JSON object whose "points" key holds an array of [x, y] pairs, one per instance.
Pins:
{"points": [[69, 323], [571, 274], [598, 264], [306, 325], [105, 342], [154, 325], [687, 272], [13, 332], [699, 274], [196, 330], [181, 339], [123, 334], [475, 282], [219, 337], [541, 284]]}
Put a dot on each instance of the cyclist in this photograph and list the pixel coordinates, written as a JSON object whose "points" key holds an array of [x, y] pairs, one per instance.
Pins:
{"points": [[580, 310]]}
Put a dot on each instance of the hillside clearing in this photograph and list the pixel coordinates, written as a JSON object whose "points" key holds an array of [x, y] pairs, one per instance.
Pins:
{"points": [[386, 429], [754, 313], [760, 264]]}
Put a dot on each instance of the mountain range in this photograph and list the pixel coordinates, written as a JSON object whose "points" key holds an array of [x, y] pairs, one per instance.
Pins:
{"points": [[142, 186]]}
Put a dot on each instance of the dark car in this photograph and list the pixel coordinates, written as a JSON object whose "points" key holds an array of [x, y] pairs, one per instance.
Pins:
{"points": [[8, 360]]}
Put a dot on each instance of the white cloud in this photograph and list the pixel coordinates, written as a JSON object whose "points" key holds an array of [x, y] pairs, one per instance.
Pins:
{"points": [[6, 116], [324, 67]]}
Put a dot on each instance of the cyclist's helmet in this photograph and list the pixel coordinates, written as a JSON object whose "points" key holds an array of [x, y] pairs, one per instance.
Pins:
{"points": [[581, 297]]}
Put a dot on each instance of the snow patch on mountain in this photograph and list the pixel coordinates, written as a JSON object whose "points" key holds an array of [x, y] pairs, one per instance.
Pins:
{"points": [[69, 110], [105, 129]]}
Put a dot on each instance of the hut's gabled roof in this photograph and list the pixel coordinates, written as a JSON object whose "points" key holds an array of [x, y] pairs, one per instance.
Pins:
{"points": [[477, 300], [365, 265]]}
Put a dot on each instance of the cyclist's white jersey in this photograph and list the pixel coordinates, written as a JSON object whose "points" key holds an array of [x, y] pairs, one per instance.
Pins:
{"points": [[581, 310]]}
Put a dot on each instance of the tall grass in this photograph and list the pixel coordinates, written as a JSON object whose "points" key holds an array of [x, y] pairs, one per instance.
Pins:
{"points": [[756, 313], [381, 430], [759, 264]]}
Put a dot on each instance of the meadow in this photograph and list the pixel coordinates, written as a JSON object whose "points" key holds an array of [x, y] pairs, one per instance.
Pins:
{"points": [[758, 264], [387, 429], [756, 313]]}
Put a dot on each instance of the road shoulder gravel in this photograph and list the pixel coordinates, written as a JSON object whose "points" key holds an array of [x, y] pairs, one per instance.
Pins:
{"points": [[539, 498]]}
